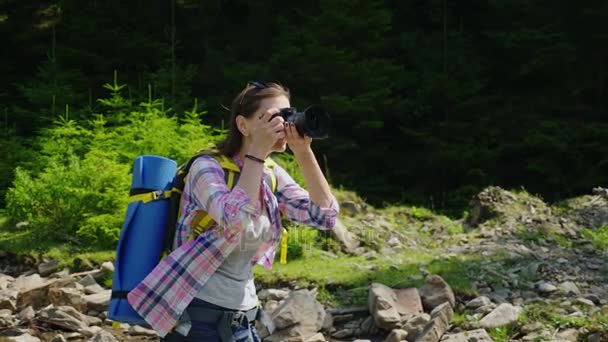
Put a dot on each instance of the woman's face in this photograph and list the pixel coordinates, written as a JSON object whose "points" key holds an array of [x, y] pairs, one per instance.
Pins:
{"points": [[270, 103]]}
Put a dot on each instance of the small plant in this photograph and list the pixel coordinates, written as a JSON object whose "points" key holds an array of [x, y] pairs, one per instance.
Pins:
{"points": [[421, 213]]}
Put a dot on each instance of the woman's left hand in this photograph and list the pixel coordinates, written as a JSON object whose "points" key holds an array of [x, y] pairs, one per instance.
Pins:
{"points": [[295, 141]]}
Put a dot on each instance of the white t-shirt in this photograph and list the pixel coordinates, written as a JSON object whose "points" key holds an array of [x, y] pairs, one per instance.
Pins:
{"points": [[231, 286]]}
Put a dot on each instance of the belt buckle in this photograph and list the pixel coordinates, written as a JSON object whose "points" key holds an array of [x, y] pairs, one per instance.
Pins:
{"points": [[236, 319]]}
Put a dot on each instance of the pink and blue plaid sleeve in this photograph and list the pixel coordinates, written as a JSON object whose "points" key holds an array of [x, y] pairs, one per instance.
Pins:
{"points": [[295, 203], [231, 209]]}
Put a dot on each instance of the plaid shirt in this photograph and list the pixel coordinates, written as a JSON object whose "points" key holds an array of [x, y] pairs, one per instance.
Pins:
{"points": [[163, 296]]}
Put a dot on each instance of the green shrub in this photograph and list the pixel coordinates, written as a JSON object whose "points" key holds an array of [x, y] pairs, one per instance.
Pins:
{"points": [[77, 189]]}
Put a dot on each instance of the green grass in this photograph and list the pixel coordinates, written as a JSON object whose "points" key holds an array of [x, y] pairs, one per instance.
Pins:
{"points": [[541, 312], [354, 274], [598, 237], [21, 242]]}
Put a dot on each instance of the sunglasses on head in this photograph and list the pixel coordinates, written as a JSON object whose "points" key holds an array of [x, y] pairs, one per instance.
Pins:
{"points": [[258, 85]]}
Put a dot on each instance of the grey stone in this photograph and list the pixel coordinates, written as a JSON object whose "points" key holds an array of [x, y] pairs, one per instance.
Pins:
{"points": [[47, 268], [436, 291], [272, 294], [546, 288], [27, 314], [98, 301], [347, 240], [569, 287], [478, 302], [396, 335], [568, 335], [299, 316], [343, 333], [59, 338], [584, 301], [439, 324], [318, 337], [87, 280], [20, 338], [141, 331], [107, 267], [93, 289], [479, 335], [67, 296], [416, 325], [504, 314], [103, 336], [62, 318], [382, 306]]}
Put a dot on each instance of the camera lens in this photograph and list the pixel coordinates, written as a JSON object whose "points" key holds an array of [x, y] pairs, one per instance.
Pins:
{"points": [[316, 122]]}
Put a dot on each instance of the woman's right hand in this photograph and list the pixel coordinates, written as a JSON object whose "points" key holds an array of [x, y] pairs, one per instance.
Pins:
{"points": [[266, 133]]}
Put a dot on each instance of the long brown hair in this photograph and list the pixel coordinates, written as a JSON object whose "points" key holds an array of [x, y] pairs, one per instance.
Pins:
{"points": [[246, 103]]}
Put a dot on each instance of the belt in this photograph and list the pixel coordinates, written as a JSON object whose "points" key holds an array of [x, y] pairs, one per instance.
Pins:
{"points": [[224, 319]]}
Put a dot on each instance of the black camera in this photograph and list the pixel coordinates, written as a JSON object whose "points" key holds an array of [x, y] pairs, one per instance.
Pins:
{"points": [[312, 122]]}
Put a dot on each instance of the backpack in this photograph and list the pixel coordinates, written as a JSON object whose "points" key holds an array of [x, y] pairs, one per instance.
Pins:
{"points": [[149, 229]]}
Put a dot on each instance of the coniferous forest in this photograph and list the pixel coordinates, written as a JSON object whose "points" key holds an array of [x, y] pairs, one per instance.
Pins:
{"points": [[431, 101]]}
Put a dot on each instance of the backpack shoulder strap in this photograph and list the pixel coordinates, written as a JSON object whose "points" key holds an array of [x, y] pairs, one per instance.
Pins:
{"points": [[273, 178]]}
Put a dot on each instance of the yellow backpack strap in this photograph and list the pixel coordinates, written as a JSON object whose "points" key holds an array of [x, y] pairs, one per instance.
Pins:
{"points": [[273, 179], [150, 196], [283, 258], [202, 221]]}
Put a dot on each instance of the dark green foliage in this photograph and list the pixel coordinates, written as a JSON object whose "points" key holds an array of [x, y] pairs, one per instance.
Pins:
{"points": [[431, 100]]}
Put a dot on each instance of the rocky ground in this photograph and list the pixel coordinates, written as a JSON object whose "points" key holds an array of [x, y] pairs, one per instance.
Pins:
{"points": [[533, 273]]}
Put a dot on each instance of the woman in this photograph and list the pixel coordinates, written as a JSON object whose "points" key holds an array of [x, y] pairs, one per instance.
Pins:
{"points": [[204, 290]]}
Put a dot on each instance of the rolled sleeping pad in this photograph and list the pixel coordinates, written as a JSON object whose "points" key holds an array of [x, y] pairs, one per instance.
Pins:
{"points": [[141, 238]]}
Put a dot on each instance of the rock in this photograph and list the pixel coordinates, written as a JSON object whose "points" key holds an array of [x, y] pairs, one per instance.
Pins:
{"points": [[568, 335], [98, 301], [347, 240], [47, 268], [594, 338], [67, 296], [8, 299], [272, 294], [103, 336], [504, 314], [37, 297], [416, 325], [436, 292], [408, 301], [478, 302], [141, 331], [107, 267], [20, 338], [64, 317], [300, 315], [27, 314], [396, 335], [93, 289], [479, 335], [28, 282], [344, 333], [569, 288], [439, 324], [318, 337], [584, 302], [366, 325], [382, 306], [90, 331], [87, 280], [5, 281], [328, 322], [59, 338], [546, 288], [270, 306]]}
